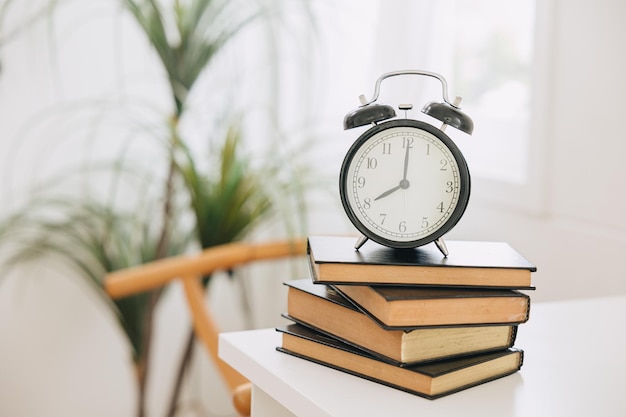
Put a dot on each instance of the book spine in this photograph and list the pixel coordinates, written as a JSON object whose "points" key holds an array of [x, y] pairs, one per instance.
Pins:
{"points": [[527, 308], [513, 336]]}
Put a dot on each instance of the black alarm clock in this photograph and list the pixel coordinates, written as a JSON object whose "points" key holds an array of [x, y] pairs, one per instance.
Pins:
{"points": [[404, 183]]}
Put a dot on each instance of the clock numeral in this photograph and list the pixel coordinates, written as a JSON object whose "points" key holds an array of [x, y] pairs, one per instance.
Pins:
{"points": [[449, 187], [428, 149], [407, 142], [372, 163], [360, 182], [386, 148], [367, 203], [402, 226], [382, 216], [440, 207], [444, 165], [425, 222]]}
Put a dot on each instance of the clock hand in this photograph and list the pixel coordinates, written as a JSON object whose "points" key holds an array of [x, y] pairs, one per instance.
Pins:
{"points": [[406, 162], [386, 193], [404, 183]]}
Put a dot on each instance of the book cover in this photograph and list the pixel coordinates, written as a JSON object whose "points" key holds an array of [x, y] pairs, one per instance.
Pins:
{"points": [[409, 306], [320, 307], [333, 260], [431, 381]]}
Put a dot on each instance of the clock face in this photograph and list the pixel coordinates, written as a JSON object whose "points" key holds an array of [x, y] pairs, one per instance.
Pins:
{"points": [[404, 183]]}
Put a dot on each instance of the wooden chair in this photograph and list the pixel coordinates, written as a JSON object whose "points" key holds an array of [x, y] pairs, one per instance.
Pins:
{"points": [[189, 270]]}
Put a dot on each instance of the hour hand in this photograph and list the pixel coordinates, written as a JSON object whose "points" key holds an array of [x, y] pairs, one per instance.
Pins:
{"points": [[386, 193]]}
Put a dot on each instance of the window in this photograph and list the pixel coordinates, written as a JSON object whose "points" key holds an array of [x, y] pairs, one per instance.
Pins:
{"points": [[492, 68], [484, 48]]}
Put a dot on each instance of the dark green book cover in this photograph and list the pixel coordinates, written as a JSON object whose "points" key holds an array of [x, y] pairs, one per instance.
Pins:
{"points": [[415, 306], [421, 380], [323, 309], [334, 260]]}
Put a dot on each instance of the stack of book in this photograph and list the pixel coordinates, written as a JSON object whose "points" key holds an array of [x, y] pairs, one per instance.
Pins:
{"points": [[410, 319]]}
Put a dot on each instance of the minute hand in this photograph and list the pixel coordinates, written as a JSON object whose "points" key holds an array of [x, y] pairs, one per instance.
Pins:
{"points": [[406, 162], [404, 183]]}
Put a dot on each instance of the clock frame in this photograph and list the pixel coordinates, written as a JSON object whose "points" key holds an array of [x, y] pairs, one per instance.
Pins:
{"points": [[415, 229], [399, 175]]}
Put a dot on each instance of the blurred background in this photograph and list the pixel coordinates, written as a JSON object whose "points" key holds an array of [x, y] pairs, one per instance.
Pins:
{"points": [[133, 130]]}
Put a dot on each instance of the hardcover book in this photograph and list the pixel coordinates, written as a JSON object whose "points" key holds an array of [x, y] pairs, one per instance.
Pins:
{"points": [[323, 309], [333, 260], [431, 380], [397, 306]]}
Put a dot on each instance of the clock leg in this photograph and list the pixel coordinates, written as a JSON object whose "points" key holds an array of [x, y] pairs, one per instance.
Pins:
{"points": [[442, 246], [360, 242]]}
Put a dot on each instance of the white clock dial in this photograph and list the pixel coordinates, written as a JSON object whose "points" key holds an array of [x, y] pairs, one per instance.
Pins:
{"points": [[404, 184]]}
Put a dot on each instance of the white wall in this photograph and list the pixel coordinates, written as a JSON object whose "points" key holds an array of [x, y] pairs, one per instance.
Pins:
{"points": [[60, 355]]}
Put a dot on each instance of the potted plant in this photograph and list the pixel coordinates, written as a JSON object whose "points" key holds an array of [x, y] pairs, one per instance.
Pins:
{"points": [[200, 203]]}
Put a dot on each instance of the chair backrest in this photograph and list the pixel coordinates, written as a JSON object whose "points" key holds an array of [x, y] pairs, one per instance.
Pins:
{"points": [[189, 270]]}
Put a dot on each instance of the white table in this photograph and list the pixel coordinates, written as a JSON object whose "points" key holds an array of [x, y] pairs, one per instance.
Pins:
{"points": [[575, 365]]}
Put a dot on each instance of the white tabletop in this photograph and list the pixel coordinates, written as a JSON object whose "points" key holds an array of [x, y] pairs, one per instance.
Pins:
{"points": [[574, 365]]}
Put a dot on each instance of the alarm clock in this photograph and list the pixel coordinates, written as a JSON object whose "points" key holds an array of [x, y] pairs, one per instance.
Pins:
{"points": [[404, 183]]}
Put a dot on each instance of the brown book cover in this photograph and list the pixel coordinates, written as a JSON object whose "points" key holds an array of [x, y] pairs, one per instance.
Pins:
{"points": [[333, 260], [405, 306], [431, 380], [323, 309]]}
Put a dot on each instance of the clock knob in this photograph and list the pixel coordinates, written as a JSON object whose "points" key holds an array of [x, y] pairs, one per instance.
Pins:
{"points": [[369, 114], [450, 115]]}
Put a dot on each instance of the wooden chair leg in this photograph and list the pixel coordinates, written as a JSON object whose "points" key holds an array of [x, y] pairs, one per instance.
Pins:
{"points": [[242, 399], [207, 331]]}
